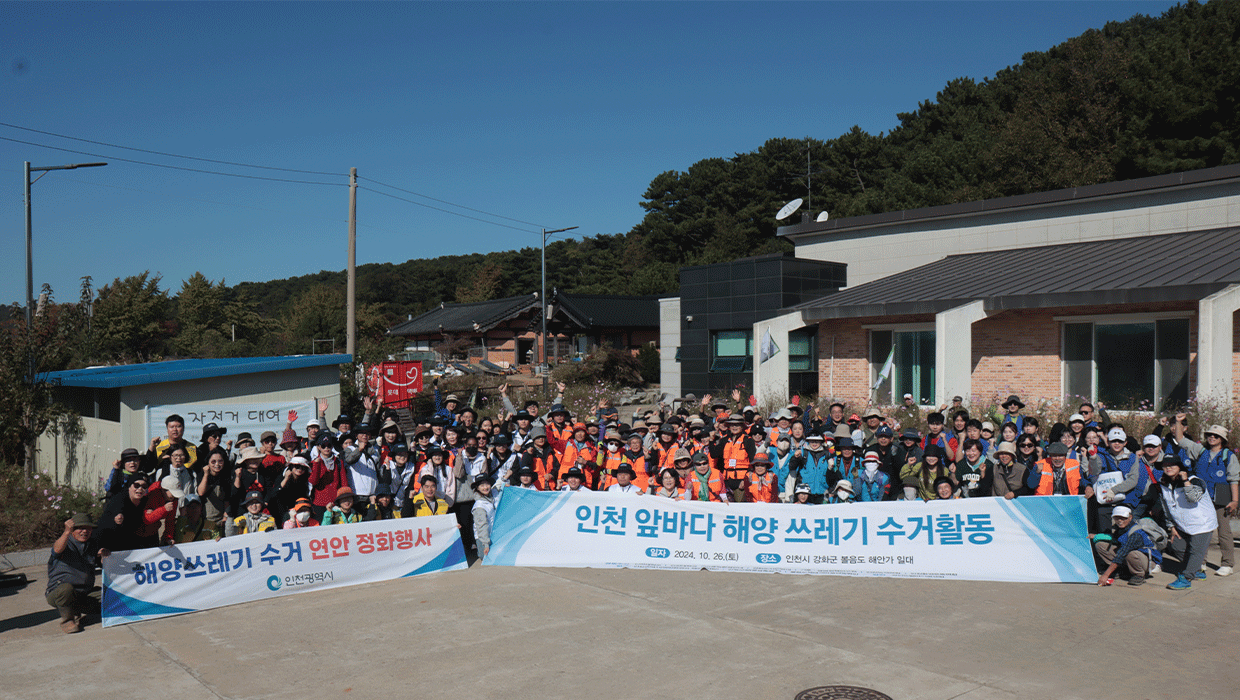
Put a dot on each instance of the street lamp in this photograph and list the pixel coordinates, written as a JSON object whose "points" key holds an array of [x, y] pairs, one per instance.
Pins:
{"points": [[543, 299], [29, 255]]}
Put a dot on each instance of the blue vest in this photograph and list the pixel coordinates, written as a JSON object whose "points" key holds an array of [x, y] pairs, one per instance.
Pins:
{"points": [[1213, 471]]}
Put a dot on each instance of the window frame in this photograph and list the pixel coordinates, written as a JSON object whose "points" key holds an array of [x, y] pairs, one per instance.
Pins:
{"points": [[715, 357], [1096, 320]]}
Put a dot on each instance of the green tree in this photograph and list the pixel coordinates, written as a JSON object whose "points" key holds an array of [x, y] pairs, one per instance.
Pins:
{"points": [[131, 319]]}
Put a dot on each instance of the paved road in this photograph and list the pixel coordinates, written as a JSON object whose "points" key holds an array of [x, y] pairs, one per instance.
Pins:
{"points": [[592, 633]]}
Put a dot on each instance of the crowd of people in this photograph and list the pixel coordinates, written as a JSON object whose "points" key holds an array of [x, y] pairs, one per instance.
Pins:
{"points": [[1162, 492]]}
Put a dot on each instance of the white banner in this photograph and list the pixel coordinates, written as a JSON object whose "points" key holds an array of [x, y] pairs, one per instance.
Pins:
{"points": [[252, 418], [146, 584], [1032, 539]]}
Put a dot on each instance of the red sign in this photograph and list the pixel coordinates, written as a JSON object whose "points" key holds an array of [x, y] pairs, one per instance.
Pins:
{"points": [[395, 382]]}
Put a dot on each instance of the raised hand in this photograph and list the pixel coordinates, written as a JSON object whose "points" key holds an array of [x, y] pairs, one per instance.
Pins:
{"points": [[292, 416]]}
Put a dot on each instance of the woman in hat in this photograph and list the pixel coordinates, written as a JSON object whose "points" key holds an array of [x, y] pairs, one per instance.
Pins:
{"points": [[212, 437], [800, 495], [248, 476], [761, 484], [1189, 518], [301, 515], [527, 479], [1219, 470], [327, 475], [182, 479], [342, 511], [125, 516], [1004, 477], [842, 492], [483, 512], [122, 469], [871, 484], [294, 486], [255, 519], [945, 489]]}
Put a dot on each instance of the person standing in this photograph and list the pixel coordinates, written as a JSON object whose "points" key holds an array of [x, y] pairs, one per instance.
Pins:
{"points": [[71, 573], [1189, 518], [1217, 467]]}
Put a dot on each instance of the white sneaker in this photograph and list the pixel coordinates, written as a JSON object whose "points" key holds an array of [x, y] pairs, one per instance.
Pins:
{"points": [[1155, 570], [1223, 571]]}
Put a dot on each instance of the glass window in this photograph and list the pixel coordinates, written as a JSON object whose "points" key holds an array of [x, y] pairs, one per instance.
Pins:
{"points": [[1127, 364], [902, 362], [732, 351], [802, 355]]}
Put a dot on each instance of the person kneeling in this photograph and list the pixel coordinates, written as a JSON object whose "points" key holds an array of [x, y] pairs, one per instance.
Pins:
{"points": [[1129, 549]]}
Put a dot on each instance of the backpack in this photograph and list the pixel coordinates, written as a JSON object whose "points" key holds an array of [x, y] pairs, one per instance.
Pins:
{"points": [[1156, 533]]}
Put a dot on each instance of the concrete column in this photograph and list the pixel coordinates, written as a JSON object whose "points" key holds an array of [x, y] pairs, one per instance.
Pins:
{"points": [[1214, 344], [770, 378], [953, 351], [669, 343]]}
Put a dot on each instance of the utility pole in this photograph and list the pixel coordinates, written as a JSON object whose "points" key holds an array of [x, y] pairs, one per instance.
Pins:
{"points": [[543, 299], [351, 315]]}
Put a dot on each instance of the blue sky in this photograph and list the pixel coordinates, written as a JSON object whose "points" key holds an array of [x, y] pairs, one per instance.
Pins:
{"points": [[555, 114]]}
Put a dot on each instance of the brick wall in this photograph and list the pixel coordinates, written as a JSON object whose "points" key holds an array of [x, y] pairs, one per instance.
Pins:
{"points": [[1013, 351]]}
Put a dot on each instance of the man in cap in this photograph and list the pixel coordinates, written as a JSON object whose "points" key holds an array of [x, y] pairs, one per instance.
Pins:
{"points": [[212, 437], [272, 465], [1115, 458], [733, 454], [663, 453], [502, 462], [1059, 476], [559, 430], [448, 406], [327, 475], [1127, 549], [1137, 490], [343, 425], [71, 573], [580, 452], [382, 508], [254, 519], [521, 436], [873, 420], [1219, 470], [574, 479]]}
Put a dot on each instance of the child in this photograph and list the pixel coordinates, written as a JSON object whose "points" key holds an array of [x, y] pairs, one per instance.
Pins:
{"points": [[301, 515]]}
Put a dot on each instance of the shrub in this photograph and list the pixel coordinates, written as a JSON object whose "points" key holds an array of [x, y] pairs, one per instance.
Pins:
{"points": [[33, 510], [606, 365]]}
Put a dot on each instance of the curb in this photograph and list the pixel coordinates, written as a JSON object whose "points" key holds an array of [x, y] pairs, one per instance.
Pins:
{"points": [[20, 560]]}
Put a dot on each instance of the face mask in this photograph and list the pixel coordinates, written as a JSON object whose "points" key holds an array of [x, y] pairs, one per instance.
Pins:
{"points": [[784, 445], [870, 468], [612, 447], [303, 516]]}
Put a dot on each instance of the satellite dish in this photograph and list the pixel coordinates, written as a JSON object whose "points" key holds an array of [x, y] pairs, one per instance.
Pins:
{"points": [[822, 216], [788, 209]]}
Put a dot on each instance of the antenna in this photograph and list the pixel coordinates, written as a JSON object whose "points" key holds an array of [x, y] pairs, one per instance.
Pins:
{"points": [[789, 209], [822, 216]]}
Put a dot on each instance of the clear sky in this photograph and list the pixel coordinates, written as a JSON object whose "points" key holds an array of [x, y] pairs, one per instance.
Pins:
{"points": [[554, 114]]}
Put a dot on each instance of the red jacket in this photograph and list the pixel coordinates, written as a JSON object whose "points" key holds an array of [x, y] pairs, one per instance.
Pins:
{"points": [[325, 481]]}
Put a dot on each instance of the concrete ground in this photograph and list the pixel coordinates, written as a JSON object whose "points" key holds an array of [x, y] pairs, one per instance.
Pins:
{"points": [[572, 633]]}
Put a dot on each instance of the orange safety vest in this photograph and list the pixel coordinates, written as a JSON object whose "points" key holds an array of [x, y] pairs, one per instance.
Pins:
{"points": [[608, 462], [667, 455], [761, 489], [1072, 474], [714, 485], [559, 437], [545, 467], [588, 453], [735, 458], [641, 481]]}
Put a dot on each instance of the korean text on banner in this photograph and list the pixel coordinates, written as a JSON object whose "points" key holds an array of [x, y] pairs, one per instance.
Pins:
{"points": [[252, 418], [1032, 539], [146, 584]]}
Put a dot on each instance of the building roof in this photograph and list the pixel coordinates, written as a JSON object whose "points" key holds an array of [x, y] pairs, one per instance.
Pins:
{"points": [[606, 310], [474, 317], [1171, 267], [183, 370], [1123, 188]]}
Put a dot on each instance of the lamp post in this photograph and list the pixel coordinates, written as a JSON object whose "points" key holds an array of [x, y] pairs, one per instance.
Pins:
{"points": [[543, 299], [30, 466], [29, 254]]}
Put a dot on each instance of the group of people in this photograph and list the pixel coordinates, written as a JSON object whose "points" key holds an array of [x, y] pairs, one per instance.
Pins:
{"points": [[1165, 492]]}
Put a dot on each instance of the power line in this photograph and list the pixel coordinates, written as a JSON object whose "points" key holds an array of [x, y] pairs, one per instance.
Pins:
{"points": [[174, 167], [172, 155], [446, 211], [451, 204]]}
